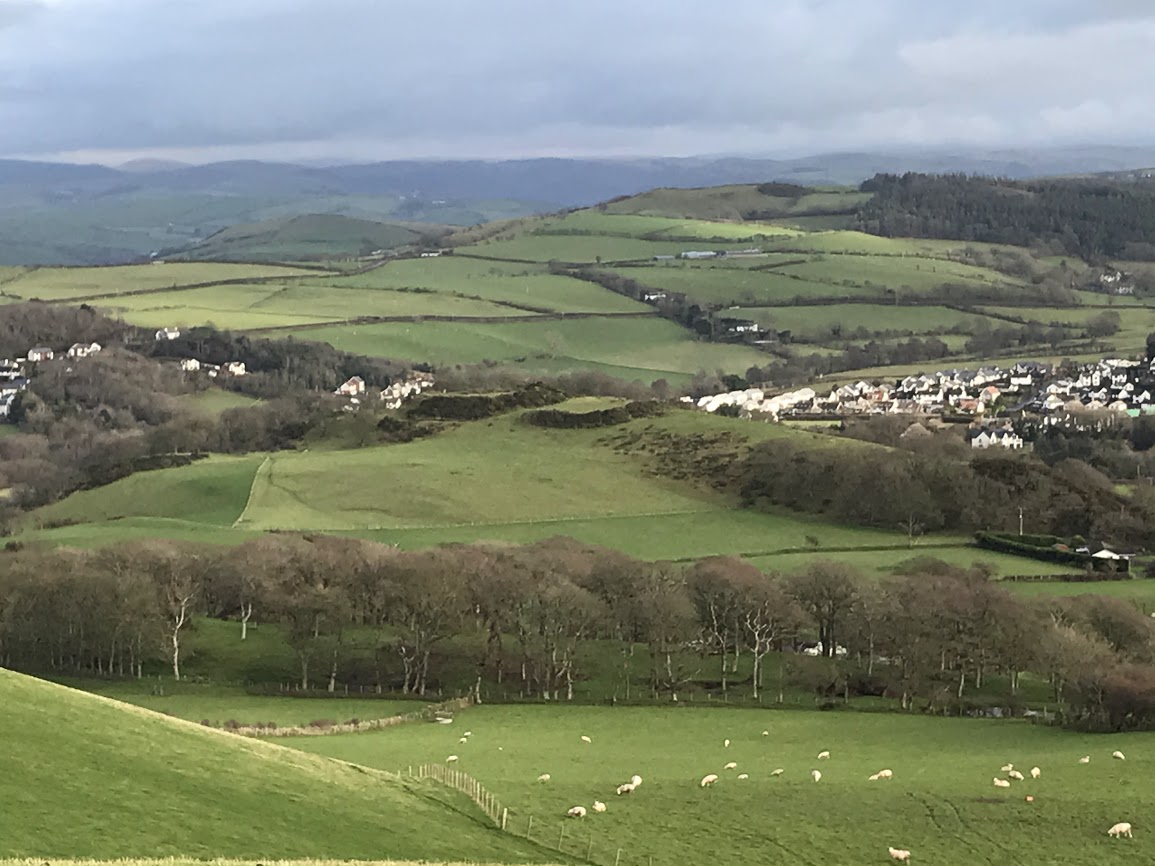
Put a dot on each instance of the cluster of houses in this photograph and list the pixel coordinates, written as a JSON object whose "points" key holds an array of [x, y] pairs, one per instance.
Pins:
{"points": [[354, 388], [15, 375], [229, 368], [1112, 386]]}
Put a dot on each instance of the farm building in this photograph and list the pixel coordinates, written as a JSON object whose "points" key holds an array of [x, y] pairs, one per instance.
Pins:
{"points": [[351, 388], [41, 353], [83, 350], [168, 333], [1003, 438]]}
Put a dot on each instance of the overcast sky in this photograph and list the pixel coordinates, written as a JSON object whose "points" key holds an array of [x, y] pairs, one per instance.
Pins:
{"points": [[381, 79]]}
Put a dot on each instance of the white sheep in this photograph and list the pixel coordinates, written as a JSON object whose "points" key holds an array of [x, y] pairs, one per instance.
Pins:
{"points": [[586, 739], [468, 734], [577, 812], [627, 788], [1119, 755], [1001, 783], [1016, 775], [544, 777], [599, 806], [464, 740], [1123, 828], [726, 744], [822, 756], [635, 780], [873, 778], [743, 775], [778, 772], [1086, 759], [733, 765], [1036, 772], [708, 780], [1006, 768], [899, 854], [451, 759], [765, 733], [886, 774], [815, 775]]}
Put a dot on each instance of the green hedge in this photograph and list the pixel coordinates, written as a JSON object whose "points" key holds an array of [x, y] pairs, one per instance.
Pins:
{"points": [[558, 418], [1042, 547], [474, 407]]}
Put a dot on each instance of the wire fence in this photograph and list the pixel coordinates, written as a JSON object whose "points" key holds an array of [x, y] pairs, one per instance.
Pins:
{"points": [[575, 838], [426, 713]]}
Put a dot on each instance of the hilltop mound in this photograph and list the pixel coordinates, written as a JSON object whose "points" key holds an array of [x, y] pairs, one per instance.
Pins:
{"points": [[84, 776], [308, 237], [741, 202]]}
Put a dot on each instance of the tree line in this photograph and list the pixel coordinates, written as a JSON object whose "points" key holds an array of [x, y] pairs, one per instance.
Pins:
{"points": [[540, 619], [1091, 219]]}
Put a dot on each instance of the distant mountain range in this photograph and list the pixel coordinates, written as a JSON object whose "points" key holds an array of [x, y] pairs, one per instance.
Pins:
{"points": [[92, 214]]}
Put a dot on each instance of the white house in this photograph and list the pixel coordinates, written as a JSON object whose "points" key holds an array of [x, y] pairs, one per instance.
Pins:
{"points": [[235, 368], [190, 365], [83, 350], [40, 353], [1004, 438], [351, 388], [168, 333]]}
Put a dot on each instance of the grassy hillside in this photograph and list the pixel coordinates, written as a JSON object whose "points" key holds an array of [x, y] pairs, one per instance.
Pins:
{"points": [[736, 203], [316, 236], [941, 804], [82, 776], [491, 480]]}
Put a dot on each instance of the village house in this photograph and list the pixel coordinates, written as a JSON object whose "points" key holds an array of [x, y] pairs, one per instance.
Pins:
{"points": [[40, 353], [1000, 437], [83, 350], [190, 365], [651, 297], [235, 368], [351, 388], [168, 333]]}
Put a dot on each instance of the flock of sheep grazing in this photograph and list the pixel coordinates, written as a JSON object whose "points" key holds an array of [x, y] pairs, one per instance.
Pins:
{"points": [[1122, 828]]}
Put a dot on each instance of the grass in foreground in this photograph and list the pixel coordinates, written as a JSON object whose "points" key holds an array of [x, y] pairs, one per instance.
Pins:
{"points": [[82, 776], [941, 804]]}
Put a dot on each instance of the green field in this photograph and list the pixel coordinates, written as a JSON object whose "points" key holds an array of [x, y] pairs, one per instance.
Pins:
{"points": [[723, 285], [82, 776], [217, 400], [819, 322], [630, 348], [733, 202], [941, 804], [56, 284], [219, 704], [920, 274], [584, 248]]}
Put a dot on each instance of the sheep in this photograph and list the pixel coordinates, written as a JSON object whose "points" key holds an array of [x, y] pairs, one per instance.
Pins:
{"points": [[708, 780], [733, 765], [1036, 772], [586, 739], [765, 733], [886, 774], [743, 775], [815, 775], [778, 772], [1119, 755], [899, 854], [544, 777], [451, 759], [873, 778], [1006, 768], [577, 812], [635, 780], [1086, 759], [725, 744], [1123, 828], [1001, 783], [468, 734], [599, 806], [1016, 775], [464, 740], [627, 788], [822, 756]]}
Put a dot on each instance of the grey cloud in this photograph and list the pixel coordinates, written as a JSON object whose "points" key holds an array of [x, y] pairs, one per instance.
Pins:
{"points": [[521, 77]]}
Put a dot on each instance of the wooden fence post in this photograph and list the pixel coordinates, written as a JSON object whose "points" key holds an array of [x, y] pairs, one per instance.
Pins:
{"points": [[504, 818], [529, 829], [618, 858], [560, 837]]}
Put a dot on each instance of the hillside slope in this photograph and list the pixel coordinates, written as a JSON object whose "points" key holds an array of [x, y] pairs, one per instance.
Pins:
{"points": [[312, 236], [84, 776]]}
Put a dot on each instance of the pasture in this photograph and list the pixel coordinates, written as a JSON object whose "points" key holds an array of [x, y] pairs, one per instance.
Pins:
{"points": [[57, 284], [630, 348], [82, 776], [941, 804]]}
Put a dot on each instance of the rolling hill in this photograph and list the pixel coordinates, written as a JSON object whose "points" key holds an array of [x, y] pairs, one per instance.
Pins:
{"points": [[311, 237], [84, 776]]}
